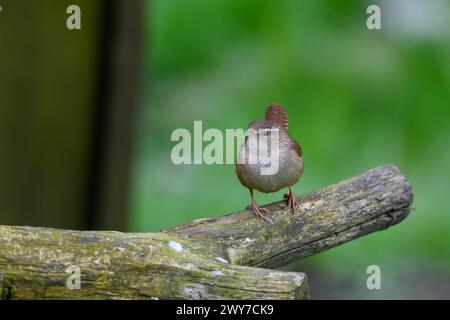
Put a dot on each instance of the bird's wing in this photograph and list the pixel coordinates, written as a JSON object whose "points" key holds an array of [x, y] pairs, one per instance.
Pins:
{"points": [[296, 147], [278, 114]]}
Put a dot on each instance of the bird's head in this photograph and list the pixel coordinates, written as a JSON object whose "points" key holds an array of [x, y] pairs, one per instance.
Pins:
{"points": [[263, 127]]}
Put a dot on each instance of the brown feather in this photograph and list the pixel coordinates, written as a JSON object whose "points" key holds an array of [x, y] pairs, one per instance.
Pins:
{"points": [[291, 161], [278, 114], [296, 147]]}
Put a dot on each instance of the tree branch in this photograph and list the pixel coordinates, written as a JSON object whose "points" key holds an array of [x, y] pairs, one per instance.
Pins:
{"points": [[328, 217], [203, 259]]}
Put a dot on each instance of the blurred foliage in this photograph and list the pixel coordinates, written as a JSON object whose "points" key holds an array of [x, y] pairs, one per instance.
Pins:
{"points": [[356, 99]]}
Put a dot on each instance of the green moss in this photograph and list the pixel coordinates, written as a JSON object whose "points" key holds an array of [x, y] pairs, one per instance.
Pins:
{"points": [[7, 287]]}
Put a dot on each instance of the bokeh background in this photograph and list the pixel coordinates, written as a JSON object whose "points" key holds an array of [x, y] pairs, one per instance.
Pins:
{"points": [[92, 148], [356, 99]]}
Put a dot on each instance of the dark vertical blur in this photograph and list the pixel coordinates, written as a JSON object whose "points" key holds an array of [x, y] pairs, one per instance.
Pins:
{"points": [[114, 119], [67, 100]]}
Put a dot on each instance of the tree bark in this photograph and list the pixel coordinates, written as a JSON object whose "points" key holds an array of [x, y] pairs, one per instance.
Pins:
{"points": [[215, 258]]}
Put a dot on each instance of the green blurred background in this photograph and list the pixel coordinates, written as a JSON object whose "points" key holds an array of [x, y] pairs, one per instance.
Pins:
{"points": [[356, 99], [86, 117]]}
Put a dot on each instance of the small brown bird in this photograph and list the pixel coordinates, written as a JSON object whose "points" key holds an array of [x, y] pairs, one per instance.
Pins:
{"points": [[289, 154]]}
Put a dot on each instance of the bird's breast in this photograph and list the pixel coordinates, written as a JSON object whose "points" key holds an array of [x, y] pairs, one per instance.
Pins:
{"points": [[290, 168]]}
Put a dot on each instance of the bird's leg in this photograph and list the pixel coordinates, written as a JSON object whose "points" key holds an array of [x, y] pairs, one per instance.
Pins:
{"points": [[291, 200], [257, 210]]}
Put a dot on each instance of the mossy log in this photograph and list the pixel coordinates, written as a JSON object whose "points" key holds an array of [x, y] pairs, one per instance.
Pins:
{"points": [[216, 258]]}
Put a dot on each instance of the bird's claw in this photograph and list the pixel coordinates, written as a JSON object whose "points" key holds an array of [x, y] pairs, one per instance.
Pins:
{"points": [[258, 212], [251, 208], [263, 210], [291, 201]]}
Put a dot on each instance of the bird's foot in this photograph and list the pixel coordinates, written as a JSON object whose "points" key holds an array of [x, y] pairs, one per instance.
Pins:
{"points": [[291, 201], [258, 212]]}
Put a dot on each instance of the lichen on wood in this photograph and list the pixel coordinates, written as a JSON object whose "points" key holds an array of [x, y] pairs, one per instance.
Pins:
{"points": [[216, 258]]}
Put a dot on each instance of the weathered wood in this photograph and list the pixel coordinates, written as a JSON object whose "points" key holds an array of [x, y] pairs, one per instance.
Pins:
{"points": [[129, 266], [204, 259], [328, 217]]}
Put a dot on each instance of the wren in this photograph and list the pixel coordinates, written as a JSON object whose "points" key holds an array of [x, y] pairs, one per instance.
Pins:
{"points": [[290, 160]]}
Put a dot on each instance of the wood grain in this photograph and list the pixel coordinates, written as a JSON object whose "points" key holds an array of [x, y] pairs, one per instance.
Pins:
{"points": [[215, 258]]}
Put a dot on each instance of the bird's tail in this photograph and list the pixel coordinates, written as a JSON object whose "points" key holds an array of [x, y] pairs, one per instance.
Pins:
{"points": [[276, 113]]}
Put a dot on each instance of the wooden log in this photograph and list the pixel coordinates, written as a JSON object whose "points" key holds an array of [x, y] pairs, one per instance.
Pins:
{"points": [[206, 259], [114, 265], [328, 217]]}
